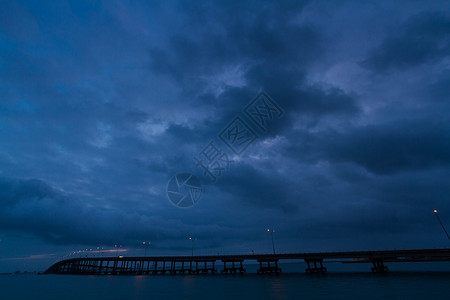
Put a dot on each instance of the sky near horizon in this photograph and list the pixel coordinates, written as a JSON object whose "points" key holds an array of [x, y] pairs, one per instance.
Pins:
{"points": [[103, 102]]}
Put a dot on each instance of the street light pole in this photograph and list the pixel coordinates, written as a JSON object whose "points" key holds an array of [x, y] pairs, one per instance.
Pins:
{"points": [[192, 239], [145, 247], [440, 222], [271, 234]]}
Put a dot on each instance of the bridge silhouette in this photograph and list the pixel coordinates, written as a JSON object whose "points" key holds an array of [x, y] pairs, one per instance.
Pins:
{"points": [[268, 263]]}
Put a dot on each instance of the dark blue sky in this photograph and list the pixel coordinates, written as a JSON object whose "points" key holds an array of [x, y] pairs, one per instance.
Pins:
{"points": [[101, 103]]}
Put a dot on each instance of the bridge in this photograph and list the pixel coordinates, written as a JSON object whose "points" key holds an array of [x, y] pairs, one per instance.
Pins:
{"points": [[232, 264]]}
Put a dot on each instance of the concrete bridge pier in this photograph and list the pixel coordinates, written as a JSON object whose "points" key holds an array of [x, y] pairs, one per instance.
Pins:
{"points": [[378, 265], [232, 267], [269, 268], [313, 267], [204, 267], [160, 268], [177, 267]]}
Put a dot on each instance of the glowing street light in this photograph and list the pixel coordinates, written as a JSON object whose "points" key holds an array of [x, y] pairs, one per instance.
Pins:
{"points": [[271, 234], [440, 222], [145, 247]]}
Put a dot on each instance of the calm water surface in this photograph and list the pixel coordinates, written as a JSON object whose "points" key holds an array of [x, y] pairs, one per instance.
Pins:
{"points": [[334, 285]]}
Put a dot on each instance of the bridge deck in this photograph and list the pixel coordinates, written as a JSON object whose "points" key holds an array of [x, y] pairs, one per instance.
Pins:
{"points": [[268, 262]]}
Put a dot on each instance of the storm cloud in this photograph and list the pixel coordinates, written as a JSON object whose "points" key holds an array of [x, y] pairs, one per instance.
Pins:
{"points": [[101, 103]]}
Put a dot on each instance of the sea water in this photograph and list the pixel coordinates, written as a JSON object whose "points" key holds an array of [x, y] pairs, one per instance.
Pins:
{"points": [[290, 284]]}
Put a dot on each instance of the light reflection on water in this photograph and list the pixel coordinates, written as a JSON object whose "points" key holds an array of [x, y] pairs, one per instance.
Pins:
{"points": [[277, 287]]}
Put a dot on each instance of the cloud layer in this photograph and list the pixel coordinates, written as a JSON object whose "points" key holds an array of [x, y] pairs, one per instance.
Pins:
{"points": [[101, 104]]}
